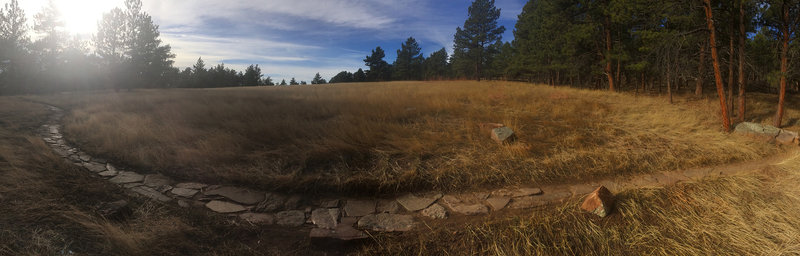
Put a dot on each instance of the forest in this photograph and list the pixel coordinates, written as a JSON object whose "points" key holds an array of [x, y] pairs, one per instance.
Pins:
{"points": [[695, 46]]}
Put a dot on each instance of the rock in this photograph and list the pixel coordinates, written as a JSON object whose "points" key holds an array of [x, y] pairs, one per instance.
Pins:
{"points": [[108, 173], [183, 204], [498, 203], [151, 193], [271, 202], [224, 207], [599, 202], [156, 180], [326, 218], [435, 211], [84, 157], [117, 210], [389, 206], [358, 208], [503, 135], [330, 204], [413, 203], [756, 129], [520, 192], [132, 185], [293, 202], [191, 185], [787, 138], [240, 195], [291, 218], [94, 167], [184, 192], [487, 128], [466, 204], [387, 222], [343, 231], [126, 177], [258, 218]]}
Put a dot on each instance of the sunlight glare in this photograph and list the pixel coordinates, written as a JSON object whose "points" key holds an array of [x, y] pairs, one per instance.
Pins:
{"points": [[81, 16]]}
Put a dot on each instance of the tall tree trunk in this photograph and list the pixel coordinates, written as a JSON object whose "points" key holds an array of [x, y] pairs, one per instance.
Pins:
{"points": [[701, 69], [730, 69], [607, 70], [669, 81], [726, 122], [617, 77], [741, 60], [784, 66]]}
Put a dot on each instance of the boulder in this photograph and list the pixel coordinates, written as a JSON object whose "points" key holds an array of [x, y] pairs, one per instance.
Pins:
{"points": [[756, 129], [599, 202], [358, 208], [292, 218], [387, 222], [239, 195], [435, 211], [503, 135], [224, 207]]}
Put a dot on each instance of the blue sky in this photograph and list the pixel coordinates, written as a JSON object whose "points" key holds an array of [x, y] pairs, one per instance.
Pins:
{"points": [[296, 38]]}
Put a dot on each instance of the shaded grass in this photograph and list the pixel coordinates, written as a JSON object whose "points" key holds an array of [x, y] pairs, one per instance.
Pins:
{"points": [[401, 136], [753, 214]]}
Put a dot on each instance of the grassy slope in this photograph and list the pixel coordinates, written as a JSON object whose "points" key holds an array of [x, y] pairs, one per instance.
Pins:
{"points": [[398, 136], [47, 208]]}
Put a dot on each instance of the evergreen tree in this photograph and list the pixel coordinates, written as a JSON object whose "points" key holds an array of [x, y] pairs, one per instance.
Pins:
{"points": [[293, 82], [13, 42], [359, 76], [318, 79], [408, 65], [473, 43], [436, 66], [283, 82], [379, 70], [268, 81], [342, 77], [252, 76]]}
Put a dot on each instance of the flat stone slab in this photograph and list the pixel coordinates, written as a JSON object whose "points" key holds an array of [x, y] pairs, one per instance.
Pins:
{"points": [[498, 203], [327, 218], [156, 180], [151, 193], [184, 192], [108, 173], [224, 207], [467, 204], [435, 211], [387, 222], [191, 185], [126, 177], [414, 203], [520, 192], [240, 195], [292, 218], [94, 167], [84, 157], [258, 218], [388, 206], [344, 231], [358, 208]]}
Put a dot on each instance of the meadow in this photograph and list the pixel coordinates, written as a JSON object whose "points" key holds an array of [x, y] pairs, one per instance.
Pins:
{"points": [[401, 136]]}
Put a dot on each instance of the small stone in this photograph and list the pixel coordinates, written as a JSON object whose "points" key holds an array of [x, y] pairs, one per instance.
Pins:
{"points": [[330, 204], [498, 203], [108, 173], [184, 192], [358, 208], [258, 218], [326, 218], [435, 211], [389, 206], [94, 167], [291, 218], [151, 193], [84, 157], [599, 202], [387, 222], [503, 135], [271, 202], [156, 180], [126, 177], [191, 185], [240, 195], [413, 203], [224, 207]]}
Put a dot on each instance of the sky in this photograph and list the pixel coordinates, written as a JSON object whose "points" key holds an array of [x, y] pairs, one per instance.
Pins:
{"points": [[288, 38]]}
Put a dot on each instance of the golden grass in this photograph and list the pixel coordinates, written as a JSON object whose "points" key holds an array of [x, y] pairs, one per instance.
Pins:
{"points": [[400, 136], [752, 214]]}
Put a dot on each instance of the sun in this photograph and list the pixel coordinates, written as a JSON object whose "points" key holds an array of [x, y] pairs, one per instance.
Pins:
{"points": [[81, 16]]}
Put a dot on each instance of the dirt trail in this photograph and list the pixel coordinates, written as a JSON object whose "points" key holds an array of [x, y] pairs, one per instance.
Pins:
{"points": [[344, 218]]}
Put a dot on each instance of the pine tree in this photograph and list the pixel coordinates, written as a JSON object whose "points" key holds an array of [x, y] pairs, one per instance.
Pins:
{"points": [[283, 82], [13, 41], [252, 76], [359, 76], [408, 65], [318, 79], [378, 68], [293, 82], [473, 42], [436, 66]]}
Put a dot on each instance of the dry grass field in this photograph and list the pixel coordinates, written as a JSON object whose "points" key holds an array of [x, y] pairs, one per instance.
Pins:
{"points": [[400, 136], [389, 138]]}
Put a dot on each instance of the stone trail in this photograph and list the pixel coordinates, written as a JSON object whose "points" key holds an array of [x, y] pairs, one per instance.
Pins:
{"points": [[348, 218]]}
